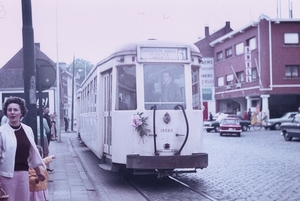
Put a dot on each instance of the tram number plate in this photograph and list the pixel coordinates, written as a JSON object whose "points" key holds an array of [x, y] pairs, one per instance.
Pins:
{"points": [[166, 130]]}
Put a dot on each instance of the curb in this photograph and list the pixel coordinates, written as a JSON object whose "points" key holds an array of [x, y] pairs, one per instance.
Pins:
{"points": [[82, 173]]}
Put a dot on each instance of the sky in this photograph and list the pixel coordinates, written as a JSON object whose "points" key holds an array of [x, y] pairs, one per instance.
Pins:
{"points": [[93, 29]]}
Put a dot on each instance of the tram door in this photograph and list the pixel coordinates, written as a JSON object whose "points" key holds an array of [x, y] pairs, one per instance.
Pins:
{"points": [[107, 123]]}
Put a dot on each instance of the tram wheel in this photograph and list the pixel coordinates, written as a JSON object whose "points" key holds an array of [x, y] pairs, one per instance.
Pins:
{"points": [[125, 173]]}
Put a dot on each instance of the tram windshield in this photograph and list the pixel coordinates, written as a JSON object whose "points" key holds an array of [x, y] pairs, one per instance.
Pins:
{"points": [[164, 85]]}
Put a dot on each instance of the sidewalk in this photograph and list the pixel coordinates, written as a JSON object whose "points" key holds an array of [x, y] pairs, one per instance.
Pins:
{"points": [[68, 181]]}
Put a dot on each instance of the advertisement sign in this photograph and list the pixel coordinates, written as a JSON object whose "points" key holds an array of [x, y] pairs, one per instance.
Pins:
{"points": [[248, 64], [207, 72], [45, 97]]}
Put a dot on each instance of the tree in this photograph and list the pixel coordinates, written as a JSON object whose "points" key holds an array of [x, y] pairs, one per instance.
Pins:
{"points": [[82, 68]]}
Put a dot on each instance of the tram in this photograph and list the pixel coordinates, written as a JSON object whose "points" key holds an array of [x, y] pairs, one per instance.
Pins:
{"points": [[140, 109]]}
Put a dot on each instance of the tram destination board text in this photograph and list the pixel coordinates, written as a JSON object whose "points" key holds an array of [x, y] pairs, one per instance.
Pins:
{"points": [[161, 54]]}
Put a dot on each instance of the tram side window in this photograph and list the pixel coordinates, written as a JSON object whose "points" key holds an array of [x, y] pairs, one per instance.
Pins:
{"points": [[126, 88], [95, 94], [164, 85], [196, 88]]}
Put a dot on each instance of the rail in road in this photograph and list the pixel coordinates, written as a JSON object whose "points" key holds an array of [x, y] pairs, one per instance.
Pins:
{"points": [[167, 188], [259, 165]]}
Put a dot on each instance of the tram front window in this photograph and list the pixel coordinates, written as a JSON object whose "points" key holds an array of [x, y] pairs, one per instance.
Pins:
{"points": [[164, 85]]}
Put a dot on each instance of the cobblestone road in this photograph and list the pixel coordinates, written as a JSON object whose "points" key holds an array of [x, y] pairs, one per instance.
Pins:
{"points": [[258, 166]]}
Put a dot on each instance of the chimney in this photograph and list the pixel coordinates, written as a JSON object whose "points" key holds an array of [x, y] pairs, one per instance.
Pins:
{"points": [[227, 24], [227, 27], [206, 31]]}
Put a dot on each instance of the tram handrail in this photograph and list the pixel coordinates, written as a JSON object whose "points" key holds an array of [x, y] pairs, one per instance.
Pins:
{"points": [[187, 128], [154, 132]]}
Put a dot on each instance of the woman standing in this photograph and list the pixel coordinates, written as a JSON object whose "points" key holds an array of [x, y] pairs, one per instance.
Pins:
{"points": [[18, 152]]}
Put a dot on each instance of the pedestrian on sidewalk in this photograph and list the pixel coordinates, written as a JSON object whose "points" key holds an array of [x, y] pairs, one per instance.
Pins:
{"points": [[249, 114], [245, 115], [39, 133], [53, 127], [47, 117], [66, 120], [18, 152], [45, 138], [39, 188], [211, 118], [4, 120]]}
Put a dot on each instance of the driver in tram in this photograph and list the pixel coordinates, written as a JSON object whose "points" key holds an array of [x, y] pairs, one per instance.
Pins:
{"points": [[170, 91]]}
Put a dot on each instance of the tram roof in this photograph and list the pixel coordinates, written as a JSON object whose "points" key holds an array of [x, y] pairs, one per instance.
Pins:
{"points": [[131, 48]]}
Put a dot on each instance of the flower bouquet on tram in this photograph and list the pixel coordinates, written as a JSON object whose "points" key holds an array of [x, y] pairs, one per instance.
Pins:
{"points": [[139, 123]]}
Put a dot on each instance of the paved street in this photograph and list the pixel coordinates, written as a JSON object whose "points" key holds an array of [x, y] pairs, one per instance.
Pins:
{"points": [[260, 165]]}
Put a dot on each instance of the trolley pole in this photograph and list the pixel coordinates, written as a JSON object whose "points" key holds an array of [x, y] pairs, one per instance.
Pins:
{"points": [[29, 71]]}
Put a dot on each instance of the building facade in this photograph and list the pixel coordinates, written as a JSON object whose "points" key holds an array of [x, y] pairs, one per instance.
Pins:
{"points": [[257, 68], [12, 82], [207, 67]]}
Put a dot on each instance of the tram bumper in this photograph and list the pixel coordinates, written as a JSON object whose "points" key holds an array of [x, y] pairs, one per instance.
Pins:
{"points": [[196, 160]]}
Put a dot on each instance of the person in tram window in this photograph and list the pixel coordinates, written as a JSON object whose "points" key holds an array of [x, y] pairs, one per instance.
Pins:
{"points": [[170, 91]]}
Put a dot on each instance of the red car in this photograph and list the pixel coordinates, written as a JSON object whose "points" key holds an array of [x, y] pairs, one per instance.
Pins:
{"points": [[230, 126]]}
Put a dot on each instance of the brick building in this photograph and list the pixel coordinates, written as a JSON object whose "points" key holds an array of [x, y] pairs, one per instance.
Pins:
{"points": [[257, 67], [207, 66]]}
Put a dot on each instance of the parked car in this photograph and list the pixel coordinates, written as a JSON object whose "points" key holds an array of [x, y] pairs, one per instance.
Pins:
{"points": [[230, 126], [276, 122], [215, 125], [291, 129]]}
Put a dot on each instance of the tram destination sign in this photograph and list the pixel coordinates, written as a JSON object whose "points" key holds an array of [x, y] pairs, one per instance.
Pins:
{"points": [[163, 54]]}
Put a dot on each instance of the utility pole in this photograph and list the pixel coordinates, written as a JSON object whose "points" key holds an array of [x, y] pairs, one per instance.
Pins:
{"points": [[29, 72], [57, 100], [73, 83]]}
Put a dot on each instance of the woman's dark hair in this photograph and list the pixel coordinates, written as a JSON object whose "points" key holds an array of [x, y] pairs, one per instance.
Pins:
{"points": [[20, 101]]}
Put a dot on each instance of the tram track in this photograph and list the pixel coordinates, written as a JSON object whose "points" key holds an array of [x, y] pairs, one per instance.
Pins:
{"points": [[167, 188], [193, 189], [142, 192]]}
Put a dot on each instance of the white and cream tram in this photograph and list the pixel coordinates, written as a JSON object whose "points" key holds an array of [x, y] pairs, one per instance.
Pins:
{"points": [[140, 108]]}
